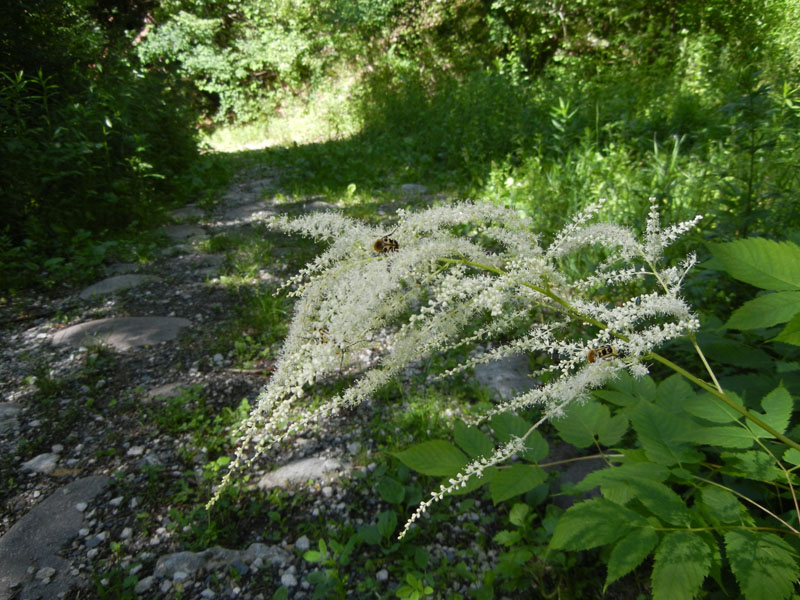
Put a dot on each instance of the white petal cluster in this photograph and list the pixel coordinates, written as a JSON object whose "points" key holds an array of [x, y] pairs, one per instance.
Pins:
{"points": [[466, 274]]}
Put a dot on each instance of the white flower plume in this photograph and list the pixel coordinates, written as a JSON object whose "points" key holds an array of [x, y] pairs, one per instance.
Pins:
{"points": [[462, 274]]}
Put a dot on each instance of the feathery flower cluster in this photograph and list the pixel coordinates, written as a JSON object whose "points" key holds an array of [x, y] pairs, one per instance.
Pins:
{"points": [[443, 288]]}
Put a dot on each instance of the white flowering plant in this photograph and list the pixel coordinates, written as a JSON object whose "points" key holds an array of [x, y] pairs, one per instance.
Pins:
{"points": [[475, 275]]}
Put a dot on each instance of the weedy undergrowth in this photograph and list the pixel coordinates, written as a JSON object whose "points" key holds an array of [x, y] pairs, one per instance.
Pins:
{"points": [[679, 486]]}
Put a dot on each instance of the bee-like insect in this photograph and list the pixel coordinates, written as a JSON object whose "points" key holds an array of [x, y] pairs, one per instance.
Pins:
{"points": [[385, 244], [601, 352]]}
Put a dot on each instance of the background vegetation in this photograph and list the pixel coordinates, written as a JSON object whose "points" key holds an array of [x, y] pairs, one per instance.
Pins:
{"points": [[542, 106]]}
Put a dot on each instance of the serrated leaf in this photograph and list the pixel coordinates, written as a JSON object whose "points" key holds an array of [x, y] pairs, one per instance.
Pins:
{"points": [[611, 432], [629, 552], [517, 514], [790, 333], [579, 426], [515, 480], [752, 464], [472, 440], [594, 523], [390, 490], [658, 432], [777, 405], [711, 408], [767, 264], [725, 437], [674, 390], [434, 457], [728, 351], [387, 523], [682, 561], [721, 504], [792, 456], [660, 500], [765, 311], [506, 426], [536, 447], [765, 566], [622, 473]]}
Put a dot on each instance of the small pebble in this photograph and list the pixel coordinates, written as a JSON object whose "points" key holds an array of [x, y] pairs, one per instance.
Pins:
{"points": [[45, 573], [81, 506], [126, 533], [115, 501], [288, 580], [302, 543], [144, 585]]}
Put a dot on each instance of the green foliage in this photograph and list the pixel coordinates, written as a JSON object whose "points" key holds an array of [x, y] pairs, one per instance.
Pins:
{"points": [[90, 140]]}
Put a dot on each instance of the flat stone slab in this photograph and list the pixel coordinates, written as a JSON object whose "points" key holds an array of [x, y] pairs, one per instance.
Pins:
{"points": [[116, 284], [183, 233], [190, 211], [506, 377], [299, 472], [122, 333], [122, 268], [36, 538], [249, 212]]}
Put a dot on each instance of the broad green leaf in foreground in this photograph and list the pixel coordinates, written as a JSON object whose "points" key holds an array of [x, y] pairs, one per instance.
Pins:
{"points": [[764, 565], [790, 333], [434, 457], [767, 264], [777, 405], [682, 562], [721, 504], [594, 523], [629, 552], [659, 433], [514, 480], [765, 311], [472, 440]]}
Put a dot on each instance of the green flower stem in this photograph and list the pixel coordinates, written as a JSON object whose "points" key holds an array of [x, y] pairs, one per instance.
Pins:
{"points": [[657, 357]]}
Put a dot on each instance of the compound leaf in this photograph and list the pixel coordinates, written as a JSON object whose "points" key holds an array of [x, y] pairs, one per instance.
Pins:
{"points": [[682, 562], [765, 566]]}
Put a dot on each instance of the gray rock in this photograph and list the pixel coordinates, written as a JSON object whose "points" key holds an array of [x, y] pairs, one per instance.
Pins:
{"points": [[122, 333], [248, 213], [302, 543], [38, 536], [413, 189], [8, 416], [187, 562], [190, 211], [121, 269], [288, 579], [43, 463], [185, 233], [319, 206], [168, 390], [144, 585], [115, 284], [299, 472], [506, 377], [271, 554]]}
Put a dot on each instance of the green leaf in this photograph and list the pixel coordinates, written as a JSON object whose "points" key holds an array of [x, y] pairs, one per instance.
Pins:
{"points": [[660, 500], [721, 504], [792, 456], [765, 311], [517, 514], [515, 480], [615, 484], [536, 448], [391, 490], [506, 426], [790, 333], [728, 351], [658, 432], [629, 552], [725, 436], [434, 457], [472, 440], [594, 523], [387, 523], [682, 562], [674, 390], [765, 566], [611, 432], [777, 405], [767, 264], [579, 426], [370, 534], [711, 408], [752, 464]]}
